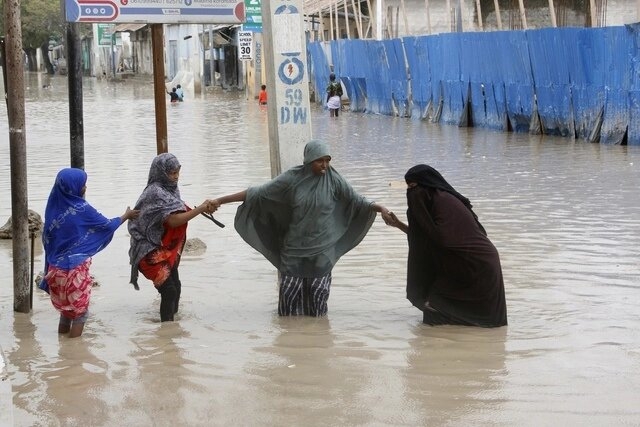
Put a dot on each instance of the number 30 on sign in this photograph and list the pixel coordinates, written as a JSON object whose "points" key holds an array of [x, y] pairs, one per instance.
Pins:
{"points": [[245, 44]]}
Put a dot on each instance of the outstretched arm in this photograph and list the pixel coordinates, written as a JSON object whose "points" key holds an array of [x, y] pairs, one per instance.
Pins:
{"points": [[230, 198], [177, 219], [395, 222], [384, 211], [129, 214]]}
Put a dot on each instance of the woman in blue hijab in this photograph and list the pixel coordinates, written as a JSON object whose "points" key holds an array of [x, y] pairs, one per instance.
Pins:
{"points": [[303, 221], [73, 232]]}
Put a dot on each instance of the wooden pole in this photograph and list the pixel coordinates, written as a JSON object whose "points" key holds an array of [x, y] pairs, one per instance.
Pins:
{"points": [[17, 156], [337, 21], [330, 22], [498, 17], [346, 20], [378, 19], [523, 16], [74, 78], [480, 27], [426, 6], [449, 19], [552, 13], [592, 6], [404, 15], [358, 15], [159, 88]]}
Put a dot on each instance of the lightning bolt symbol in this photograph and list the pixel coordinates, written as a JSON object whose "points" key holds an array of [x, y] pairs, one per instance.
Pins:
{"points": [[290, 68]]}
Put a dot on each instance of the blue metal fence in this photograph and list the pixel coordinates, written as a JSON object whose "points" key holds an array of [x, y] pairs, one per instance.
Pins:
{"points": [[573, 82]]}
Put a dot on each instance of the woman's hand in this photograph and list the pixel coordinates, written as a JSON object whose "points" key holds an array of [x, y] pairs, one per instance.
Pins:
{"points": [[129, 214], [389, 218], [209, 206]]}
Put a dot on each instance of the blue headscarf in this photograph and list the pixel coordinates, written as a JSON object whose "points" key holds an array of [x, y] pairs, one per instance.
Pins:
{"points": [[73, 229]]}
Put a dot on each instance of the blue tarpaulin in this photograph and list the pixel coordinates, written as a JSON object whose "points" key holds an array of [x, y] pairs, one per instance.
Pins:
{"points": [[573, 82]]}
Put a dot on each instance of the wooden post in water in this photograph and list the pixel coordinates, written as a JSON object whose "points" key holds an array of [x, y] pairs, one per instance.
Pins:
{"points": [[74, 79], [160, 90], [288, 109], [17, 155]]}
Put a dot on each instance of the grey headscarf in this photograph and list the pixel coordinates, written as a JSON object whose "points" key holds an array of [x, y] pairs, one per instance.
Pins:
{"points": [[314, 150], [301, 222], [159, 199]]}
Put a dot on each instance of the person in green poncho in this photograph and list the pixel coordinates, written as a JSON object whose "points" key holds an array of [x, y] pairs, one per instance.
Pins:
{"points": [[303, 221]]}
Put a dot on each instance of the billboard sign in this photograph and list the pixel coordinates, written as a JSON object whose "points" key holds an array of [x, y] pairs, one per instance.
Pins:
{"points": [[156, 11]]}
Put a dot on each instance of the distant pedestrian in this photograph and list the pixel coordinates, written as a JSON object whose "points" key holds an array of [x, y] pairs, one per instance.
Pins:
{"points": [[174, 95], [180, 93], [73, 232], [334, 96], [158, 235], [262, 96]]}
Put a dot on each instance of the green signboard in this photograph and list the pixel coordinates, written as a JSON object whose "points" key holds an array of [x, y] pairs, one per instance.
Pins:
{"points": [[253, 12], [105, 34]]}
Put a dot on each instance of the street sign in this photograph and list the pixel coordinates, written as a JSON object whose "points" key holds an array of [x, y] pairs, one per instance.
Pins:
{"points": [[253, 10], [105, 34], [245, 45], [156, 11]]}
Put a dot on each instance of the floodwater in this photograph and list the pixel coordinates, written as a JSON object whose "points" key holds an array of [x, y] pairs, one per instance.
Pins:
{"points": [[564, 215]]}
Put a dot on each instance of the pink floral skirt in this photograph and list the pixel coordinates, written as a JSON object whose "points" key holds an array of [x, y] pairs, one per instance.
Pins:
{"points": [[70, 290]]}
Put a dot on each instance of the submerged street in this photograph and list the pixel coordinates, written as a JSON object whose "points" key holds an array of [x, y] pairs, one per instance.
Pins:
{"points": [[563, 214]]}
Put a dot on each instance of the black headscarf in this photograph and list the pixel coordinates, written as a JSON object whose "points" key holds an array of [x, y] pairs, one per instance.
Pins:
{"points": [[428, 177]]}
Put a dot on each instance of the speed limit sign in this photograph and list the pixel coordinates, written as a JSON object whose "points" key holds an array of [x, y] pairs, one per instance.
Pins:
{"points": [[245, 45]]}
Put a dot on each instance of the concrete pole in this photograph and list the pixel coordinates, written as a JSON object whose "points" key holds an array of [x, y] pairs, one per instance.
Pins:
{"points": [[74, 78], [160, 90], [17, 156], [288, 109]]}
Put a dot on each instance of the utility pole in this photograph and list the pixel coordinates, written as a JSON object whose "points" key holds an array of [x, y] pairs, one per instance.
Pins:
{"points": [[76, 121], [157, 46], [288, 109], [14, 65]]}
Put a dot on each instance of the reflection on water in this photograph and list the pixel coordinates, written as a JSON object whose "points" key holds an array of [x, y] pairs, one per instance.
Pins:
{"points": [[565, 217]]}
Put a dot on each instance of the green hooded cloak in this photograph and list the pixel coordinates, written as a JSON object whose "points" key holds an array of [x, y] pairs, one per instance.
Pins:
{"points": [[301, 222]]}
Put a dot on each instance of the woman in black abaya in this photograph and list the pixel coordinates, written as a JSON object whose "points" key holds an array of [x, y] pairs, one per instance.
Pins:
{"points": [[453, 271]]}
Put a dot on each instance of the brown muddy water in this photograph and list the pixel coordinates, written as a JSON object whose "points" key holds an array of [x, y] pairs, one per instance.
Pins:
{"points": [[564, 215]]}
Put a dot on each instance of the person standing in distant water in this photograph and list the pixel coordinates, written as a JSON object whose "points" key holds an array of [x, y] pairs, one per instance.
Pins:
{"points": [[159, 234], [453, 272], [262, 96], [334, 96], [174, 95], [74, 231], [180, 93], [303, 221]]}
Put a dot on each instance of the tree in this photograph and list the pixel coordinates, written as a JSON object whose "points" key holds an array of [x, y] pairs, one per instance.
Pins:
{"points": [[42, 21]]}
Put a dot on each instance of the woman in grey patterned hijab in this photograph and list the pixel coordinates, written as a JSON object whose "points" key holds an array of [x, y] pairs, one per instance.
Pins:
{"points": [[160, 232], [303, 221]]}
